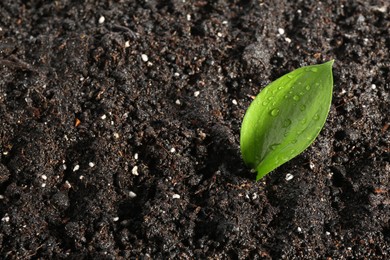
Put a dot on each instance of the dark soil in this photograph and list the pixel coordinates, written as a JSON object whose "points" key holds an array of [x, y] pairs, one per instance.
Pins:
{"points": [[107, 151]]}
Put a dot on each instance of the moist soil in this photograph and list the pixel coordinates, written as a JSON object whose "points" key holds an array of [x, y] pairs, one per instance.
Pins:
{"points": [[120, 121]]}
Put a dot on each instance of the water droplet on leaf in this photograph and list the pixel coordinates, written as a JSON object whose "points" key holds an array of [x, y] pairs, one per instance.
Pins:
{"points": [[274, 112], [296, 97], [286, 123]]}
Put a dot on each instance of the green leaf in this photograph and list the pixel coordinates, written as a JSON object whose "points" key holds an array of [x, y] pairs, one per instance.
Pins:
{"points": [[286, 117]]}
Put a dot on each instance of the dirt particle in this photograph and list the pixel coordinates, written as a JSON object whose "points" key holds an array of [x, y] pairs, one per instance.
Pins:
{"points": [[134, 171], [289, 177], [144, 57]]}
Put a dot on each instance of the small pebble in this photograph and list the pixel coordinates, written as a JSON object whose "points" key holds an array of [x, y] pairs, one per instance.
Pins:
{"points": [[44, 177], [254, 196], [373, 86], [102, 19], [144, 57], [81, 177], [299, 229], [188, 17], [5, 218], [132, 194], [327, 233], [281, 31], [219, 34], [116, 135], [287, 39], [225, 22], [134, 171], [136, 156], [289, 177], [177, 102], [311, 165], [43, 185], [103, 117], [196, 93], [1, 197], [234, 102], [91, 164], [67, 185], [172, 150], [127, 44], [176, 74], [76, 168], [176, 196], [115, 219]]}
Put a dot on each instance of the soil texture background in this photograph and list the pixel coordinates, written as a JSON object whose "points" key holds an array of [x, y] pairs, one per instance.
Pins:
{"points": [[120, 120]]}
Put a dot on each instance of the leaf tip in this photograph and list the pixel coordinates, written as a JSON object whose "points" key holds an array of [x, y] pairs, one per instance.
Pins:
{"points": [[330, 62]]}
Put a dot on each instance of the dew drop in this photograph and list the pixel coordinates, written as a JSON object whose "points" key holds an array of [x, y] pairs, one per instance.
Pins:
{"points": [[290, 76], [265, 103], [314, 69], [280, 88], [303, 121], [286, 123], [308, 87], [270, 98], [274, 112], [316, 117], [302, 107], [294, 141], [301, 93], [292, 152], [273, 146], [286, 134], [296, 97], [317, 84], [286, 97]]}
